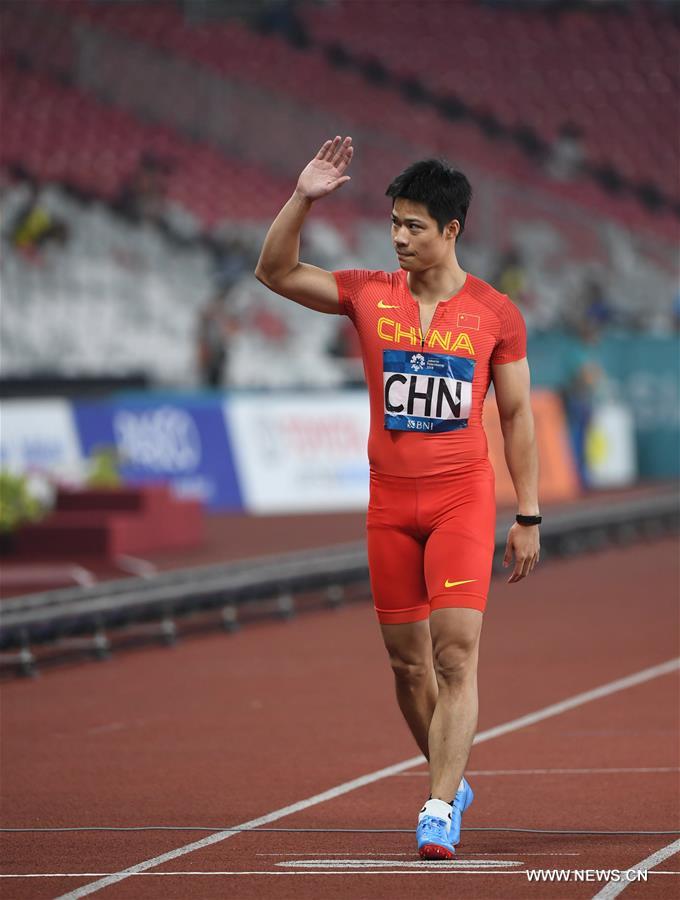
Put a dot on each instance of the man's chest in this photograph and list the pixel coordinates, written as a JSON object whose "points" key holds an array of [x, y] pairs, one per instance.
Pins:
{"points": [[461, 330]]}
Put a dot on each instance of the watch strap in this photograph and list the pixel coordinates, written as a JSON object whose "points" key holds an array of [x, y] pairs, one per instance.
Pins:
{"points": [[528, 520]]}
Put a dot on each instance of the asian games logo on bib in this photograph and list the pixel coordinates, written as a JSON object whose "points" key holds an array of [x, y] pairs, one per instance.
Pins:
{"points": [[417, 362]]}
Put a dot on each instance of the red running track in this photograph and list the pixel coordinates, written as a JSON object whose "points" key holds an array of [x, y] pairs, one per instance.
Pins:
{"points": [[223, 729]]}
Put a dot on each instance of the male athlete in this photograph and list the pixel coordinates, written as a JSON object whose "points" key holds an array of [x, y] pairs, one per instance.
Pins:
{"points": [[433, 337]]}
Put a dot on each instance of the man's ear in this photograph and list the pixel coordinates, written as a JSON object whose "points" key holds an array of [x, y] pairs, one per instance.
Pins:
{"points": [[452, 230]]}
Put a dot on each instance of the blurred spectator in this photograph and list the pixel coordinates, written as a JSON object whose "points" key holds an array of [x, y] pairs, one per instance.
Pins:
{"points": [[511, 279], [232, 259], [347, 347], [34, 226], [567, 155], [590, 306], [280, 16], [597, 308], [216, 327], [143, 196], [584, 376]]}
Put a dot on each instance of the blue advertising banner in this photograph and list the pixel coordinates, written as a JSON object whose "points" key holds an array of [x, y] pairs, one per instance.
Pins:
{"points": [[181, 440]]}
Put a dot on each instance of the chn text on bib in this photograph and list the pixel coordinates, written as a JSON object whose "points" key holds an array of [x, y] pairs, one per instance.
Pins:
{"points": [[426, 392]]}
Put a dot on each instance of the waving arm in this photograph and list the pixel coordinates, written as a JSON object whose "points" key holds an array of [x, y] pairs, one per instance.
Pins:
{"points": [[279, 266]]}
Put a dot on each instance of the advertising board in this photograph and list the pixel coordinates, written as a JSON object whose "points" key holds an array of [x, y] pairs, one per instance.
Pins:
{"points": [[297, 452], [39, 436], [176, 439]]}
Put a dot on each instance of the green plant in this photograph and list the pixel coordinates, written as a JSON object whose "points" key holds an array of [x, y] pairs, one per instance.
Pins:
{"points": [[103, 470], [17, 505]]}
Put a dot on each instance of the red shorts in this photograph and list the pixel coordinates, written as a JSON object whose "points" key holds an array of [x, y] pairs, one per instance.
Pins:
{"points": [[431, 542]]}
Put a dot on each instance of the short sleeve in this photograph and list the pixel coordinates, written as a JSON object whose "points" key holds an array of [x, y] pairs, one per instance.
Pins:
{"points": [[512, 339], [350, 282]]}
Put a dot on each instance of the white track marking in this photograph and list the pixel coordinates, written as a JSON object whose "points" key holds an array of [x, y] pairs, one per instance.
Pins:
{"points": [[614, 888], [613, 687], [409, 855], [405, 864], [83, 576], [422, 868], [607, 771], [508, 727], [137, 566]]}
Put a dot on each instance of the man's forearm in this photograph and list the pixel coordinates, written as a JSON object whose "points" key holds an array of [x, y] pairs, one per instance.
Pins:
{"points": [[521, 456], [281, 249]]}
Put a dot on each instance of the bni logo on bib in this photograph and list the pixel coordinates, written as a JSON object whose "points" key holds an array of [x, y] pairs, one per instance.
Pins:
{"points": [[428, 392]]}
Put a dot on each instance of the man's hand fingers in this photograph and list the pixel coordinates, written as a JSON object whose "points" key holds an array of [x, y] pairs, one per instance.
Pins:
{"points": [[340, 157], [333, 149], [521, 570], [347, 155], [323, 150], [327, 151], [340, 182], [517, 571], [526, 549]]}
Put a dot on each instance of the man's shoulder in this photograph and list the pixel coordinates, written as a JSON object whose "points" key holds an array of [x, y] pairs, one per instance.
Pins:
{"points": [[361, 286], [486, 293], [499, 304], [367, 275]]}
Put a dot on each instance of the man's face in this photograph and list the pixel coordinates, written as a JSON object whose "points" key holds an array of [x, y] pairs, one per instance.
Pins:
{"points": [[417, 239]]}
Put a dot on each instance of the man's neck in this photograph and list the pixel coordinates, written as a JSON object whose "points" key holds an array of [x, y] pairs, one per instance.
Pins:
{"points": [[436, 284]]}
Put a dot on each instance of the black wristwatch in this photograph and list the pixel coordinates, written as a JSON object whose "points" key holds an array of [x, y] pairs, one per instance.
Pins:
{"points": [[528, 520]]}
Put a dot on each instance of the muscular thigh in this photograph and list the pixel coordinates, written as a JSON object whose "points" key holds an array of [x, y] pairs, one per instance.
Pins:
{"points": [[459, 550], [396, 552], [397, 576]]}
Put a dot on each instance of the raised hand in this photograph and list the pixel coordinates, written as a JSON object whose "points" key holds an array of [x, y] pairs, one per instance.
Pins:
{"points": [[326, 172]]}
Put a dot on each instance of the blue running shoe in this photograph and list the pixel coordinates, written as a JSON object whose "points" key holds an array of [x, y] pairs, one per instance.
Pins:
{"points": [[433, 838], [463, 799]]}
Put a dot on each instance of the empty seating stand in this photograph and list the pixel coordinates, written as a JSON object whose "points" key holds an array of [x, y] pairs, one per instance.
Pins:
{"points": [[528, 67], [613, 72]]}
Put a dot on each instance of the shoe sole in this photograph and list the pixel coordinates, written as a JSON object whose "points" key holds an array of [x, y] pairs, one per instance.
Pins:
{"points": [[435, 851]]}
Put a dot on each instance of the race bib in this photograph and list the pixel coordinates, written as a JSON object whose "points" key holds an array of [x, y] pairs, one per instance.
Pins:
{"points": [[430, 392]]}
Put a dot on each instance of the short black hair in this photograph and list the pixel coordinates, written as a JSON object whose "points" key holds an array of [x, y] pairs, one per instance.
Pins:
{"points": [[442, 189]]}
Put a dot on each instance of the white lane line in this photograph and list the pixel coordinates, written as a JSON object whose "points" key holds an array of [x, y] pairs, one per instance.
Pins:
{"points": [[614, 888], [547, 712], [402, 864], [422, 869], [409, 855], [555, 709], [83, 576], [418, 867], [607, 771], [137, 566]]}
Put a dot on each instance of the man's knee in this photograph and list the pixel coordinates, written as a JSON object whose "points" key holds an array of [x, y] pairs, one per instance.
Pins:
{"points": [[409, 649], [456, 662], [408, 669]]}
